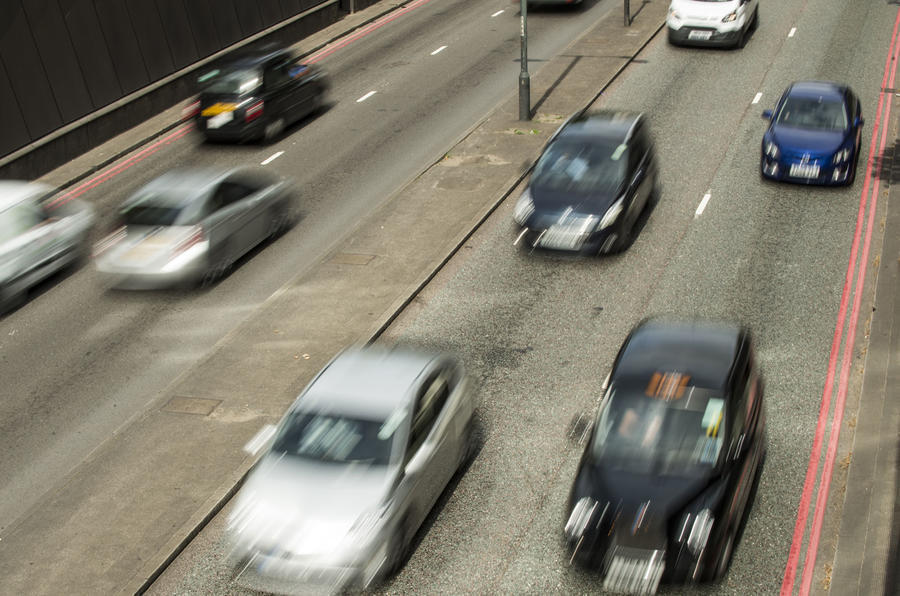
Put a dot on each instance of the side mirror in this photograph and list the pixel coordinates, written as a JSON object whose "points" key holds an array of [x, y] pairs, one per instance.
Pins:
{"points": [[260, 440], [859, 121], [767, 114]]}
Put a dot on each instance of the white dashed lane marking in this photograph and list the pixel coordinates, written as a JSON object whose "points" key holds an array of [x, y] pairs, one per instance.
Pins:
{"points": [[271, 158], [366, 96], [757, 97], [702, 205], [439, 50]]}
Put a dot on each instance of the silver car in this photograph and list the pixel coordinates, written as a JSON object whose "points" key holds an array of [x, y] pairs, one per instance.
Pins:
{"points": [[191, 225], [37, 237], [355, 466]]}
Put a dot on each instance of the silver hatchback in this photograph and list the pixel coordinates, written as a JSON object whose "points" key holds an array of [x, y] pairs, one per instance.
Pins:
{"points": [[353, 469], [191, 225]]}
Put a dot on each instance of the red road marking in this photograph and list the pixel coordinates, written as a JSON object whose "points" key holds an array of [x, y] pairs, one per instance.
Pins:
{"points": [[822, 497], [119, 168], [809, 483], [327, 51]]}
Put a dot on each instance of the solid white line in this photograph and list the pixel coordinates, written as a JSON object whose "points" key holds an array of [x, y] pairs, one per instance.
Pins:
{"points": [[439, 50], [271, 158], [793, 30], [702, 205], [757, 97], [366, 96], [498, 13]]}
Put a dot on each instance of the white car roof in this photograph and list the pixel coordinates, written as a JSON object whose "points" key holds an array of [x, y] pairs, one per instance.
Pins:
{"points": [[13, 192]]}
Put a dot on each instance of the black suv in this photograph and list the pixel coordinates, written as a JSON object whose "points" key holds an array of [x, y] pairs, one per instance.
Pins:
{"points": [[594, 179]]}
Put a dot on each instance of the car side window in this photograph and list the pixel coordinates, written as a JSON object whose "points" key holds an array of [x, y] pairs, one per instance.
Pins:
{"points": [[230, 192], [276, 74], [429, 404]]}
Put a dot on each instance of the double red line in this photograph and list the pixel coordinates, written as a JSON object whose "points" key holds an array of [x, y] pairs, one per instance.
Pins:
{"points": [[855, 268]]}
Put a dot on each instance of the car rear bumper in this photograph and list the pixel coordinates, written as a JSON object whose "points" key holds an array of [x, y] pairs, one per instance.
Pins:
{"points": [[243, 131], [147, 279]]}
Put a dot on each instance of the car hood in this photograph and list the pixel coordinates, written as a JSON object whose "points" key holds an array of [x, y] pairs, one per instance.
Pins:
{"points": [[698, 9], [305, 506], [640, 505], [799, 140], [549, 205]]}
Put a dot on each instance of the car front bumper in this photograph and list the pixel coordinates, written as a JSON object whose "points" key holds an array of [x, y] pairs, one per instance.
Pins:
{"points": [[149, 279], [821, 172], [702, 34]]}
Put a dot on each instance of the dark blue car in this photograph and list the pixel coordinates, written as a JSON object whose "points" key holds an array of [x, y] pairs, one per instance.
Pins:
{"points": [[814, 135]]}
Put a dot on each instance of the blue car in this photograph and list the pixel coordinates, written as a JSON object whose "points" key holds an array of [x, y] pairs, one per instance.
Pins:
{"points": [[813, 136]]}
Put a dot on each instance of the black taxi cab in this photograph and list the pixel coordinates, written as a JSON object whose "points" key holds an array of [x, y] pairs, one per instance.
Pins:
{"points": [[669, 473], [256, 95]]}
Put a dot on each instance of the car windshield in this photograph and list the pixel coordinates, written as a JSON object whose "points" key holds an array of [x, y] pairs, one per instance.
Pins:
{"points": [[580, 167], [16, 220], [231, 82], [813, 113], [336, 438], [658, 435]]}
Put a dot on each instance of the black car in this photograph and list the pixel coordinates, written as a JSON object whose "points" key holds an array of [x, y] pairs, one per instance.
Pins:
{"points": [[594, 179], [255, 95], [668, 475]]}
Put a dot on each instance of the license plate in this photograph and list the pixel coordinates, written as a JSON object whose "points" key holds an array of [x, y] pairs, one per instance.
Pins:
{"points": [[699, 35], [220, 120], [804, 170]]}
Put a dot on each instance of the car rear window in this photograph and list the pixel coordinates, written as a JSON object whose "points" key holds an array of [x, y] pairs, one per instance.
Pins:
{"points": [[231, 82], [598, 166], [679, 427], [17, 220]]}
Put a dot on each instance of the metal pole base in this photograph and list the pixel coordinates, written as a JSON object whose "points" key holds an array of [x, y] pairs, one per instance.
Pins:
{"points": [[524, 96]]}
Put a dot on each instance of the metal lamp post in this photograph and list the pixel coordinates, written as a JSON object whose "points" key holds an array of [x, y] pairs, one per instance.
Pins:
{"points": [[524, 79]]}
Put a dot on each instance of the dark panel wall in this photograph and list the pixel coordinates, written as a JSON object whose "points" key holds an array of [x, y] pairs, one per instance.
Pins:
{"points": [[63, 59]]}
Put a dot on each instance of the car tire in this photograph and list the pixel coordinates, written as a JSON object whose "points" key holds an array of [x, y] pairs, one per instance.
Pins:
{"points": [[723, 562], [273, 129], [279, 222], [672, 40]]}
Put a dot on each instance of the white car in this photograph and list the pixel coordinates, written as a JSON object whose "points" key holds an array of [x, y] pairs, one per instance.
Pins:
{"points": [[712, 22]]}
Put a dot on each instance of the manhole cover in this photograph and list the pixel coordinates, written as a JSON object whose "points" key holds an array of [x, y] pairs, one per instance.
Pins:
{"points": [[346, 258], [191, 405]]}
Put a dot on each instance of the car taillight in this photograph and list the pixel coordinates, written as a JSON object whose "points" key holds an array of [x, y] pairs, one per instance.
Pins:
{"points": [[190, 110], [109, 241], [195, 236], [253, 111]]}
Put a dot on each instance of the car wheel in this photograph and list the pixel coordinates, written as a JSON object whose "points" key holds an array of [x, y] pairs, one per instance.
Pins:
{"points": [[626, 239], [11, 300], [279, 222], [273, 129], [215, 273], [724, 561]]}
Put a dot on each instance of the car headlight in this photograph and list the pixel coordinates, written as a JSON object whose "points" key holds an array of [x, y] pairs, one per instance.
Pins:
{"points": [[696, 524], [609, 218], [842, 155], [730, 17], [524, 208], [674, 14], [772, 150], [578, 520], [701, 526]]}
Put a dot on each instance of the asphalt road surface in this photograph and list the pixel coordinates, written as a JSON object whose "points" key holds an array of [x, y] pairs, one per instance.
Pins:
{"points": [[79, 362], [540, 330]]}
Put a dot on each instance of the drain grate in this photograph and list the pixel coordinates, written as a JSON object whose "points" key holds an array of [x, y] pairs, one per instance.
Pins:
{"points": [[191, 405]]}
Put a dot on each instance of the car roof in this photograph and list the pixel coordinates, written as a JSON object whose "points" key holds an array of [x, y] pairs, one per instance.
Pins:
{"points": [[180, 186], [13, 192], [605, 124], [249, 58], [367, 382], [704, 350], [817, 89]]}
